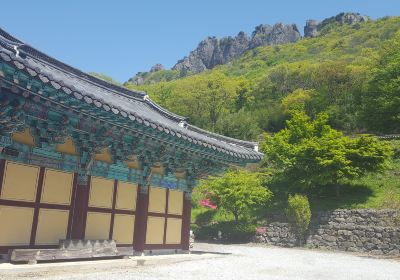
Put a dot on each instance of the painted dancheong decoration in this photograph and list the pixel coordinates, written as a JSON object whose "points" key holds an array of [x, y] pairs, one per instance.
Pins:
{"points": [[83, 159]]}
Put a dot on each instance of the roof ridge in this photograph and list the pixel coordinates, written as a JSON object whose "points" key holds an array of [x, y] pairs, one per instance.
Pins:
{"points": [[17, 49], [243, 143], [26, 48]]}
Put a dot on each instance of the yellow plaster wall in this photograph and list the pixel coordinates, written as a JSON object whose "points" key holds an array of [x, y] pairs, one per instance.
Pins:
{"points": [[15, 225], [24, 137], [174, 227], [155, 230], [101, 192], [104, 156], [157, 200], [175, 202], [157, 169], [126, 196], [180, 174], [123, 228], [97, 225], [57, 187], [134, 164], [52, 226], [20, 182], [67, 148]]}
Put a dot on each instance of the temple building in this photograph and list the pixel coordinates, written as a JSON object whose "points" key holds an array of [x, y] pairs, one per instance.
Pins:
{"points": [[83, 159]]}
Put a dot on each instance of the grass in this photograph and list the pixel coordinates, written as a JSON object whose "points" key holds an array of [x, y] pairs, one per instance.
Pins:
{"points": [[378, 190], [374, 191]]}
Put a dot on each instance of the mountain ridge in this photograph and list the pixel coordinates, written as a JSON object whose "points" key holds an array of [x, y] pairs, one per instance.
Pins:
{"points": [[213, 51]]}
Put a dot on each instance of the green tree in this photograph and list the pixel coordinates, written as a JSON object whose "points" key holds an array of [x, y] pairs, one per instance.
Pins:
{"points": [[382, 101], [237, 192], [296, 101], [298, 213], [240, 125], [311, 153]]}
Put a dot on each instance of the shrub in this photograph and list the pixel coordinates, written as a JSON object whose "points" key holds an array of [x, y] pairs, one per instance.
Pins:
{"points": [[236, 232], [231, 231], [205, 217], [206, 232], [236, 192], [299, 214]]}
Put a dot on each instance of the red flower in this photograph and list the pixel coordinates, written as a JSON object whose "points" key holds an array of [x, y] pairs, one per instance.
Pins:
{"points": [[207, 203], [261, 230]]}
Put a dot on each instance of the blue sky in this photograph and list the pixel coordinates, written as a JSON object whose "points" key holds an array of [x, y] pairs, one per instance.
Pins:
{"points": [[121, 37]]}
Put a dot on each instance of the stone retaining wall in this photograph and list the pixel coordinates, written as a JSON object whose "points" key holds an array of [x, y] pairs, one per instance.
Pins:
{"points": [[372, 231]]}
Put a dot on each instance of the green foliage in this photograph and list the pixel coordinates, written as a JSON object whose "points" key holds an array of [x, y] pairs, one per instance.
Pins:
{"points": [[204, 217], [296, 101], [240, 125], [311, 153], [350, 72], [298, 213], [230, 231], [382, 100], [237, 232], [237, 192]]}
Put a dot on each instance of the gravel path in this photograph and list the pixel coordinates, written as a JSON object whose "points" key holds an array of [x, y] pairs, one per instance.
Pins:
{"points": [[228, 262]]}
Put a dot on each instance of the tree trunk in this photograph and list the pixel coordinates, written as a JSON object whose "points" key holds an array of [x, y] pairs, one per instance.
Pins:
{"points": [[236, 217]]}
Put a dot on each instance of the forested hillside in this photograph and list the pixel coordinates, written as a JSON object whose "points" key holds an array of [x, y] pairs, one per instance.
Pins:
{"points": [[349, 71]]}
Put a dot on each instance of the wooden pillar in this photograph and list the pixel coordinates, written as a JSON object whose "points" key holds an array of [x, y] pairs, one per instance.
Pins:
{"points": [[37, 206], [114, 201], [80, 209], [141, 219], [186, 215]]}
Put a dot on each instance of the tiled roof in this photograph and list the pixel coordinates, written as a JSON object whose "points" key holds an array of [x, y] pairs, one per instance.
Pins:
{"points": [[135, 105]]}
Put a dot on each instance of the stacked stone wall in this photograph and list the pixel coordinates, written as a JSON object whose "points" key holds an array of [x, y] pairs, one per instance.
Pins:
{"points": [[360, 230]]}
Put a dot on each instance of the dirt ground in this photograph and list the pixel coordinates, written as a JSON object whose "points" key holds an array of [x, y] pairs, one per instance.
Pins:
{"points": [[211, 261]]}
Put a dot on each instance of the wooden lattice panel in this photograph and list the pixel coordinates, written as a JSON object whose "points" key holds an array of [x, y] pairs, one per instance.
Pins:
{"points": [[155, 230], [97, 225], [123, 228], [157, 200], [57, 187], [174, 231], [126, 196], [52, 226], [16, 225], [20, 182], [101, 192], [175, 202]]}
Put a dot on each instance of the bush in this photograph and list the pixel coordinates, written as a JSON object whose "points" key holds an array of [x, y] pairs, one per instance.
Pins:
{"points": [[299, 214], [206, 232], [236, 232], [231, 231], [205, 217]]}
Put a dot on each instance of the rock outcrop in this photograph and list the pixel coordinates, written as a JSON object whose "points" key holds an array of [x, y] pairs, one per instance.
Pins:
{"points": [[213, 51], [313, 28], [157, 67], [140, 77]]}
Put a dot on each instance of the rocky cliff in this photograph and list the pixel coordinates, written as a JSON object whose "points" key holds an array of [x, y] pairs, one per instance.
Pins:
{"points": [[313, 28], [214, 51]]}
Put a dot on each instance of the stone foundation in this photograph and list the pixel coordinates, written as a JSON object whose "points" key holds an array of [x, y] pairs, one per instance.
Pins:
{"points": [[369, 231]]}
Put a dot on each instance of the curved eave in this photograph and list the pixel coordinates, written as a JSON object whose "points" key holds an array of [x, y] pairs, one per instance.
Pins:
{"points": [[176, 126]]}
